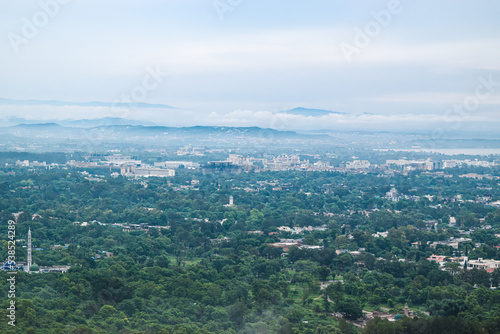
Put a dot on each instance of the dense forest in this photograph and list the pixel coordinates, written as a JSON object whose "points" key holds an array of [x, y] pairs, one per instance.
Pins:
{"points": [[193, 266]]}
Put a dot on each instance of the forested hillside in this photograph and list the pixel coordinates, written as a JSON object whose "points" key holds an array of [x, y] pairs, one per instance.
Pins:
{"points": [[191, 265]]}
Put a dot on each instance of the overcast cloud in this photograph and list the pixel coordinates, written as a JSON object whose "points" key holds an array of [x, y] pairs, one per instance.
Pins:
{"points": [[241, 62]]}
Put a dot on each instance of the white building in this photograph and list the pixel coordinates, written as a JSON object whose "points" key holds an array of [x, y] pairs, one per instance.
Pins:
{"points": [[177, 164], [231, 202], [119, 159], [146, 172], [392, 195], [358, 164], [488, 265]]}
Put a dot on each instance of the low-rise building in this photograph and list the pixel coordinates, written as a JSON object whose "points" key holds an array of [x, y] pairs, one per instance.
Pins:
{"points": [[484, 264], [452, 242]]}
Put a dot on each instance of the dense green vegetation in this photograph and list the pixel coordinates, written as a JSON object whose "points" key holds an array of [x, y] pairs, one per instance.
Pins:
{"points": [[207, 274]]}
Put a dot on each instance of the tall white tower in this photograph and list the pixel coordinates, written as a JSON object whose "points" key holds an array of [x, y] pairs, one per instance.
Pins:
{"points": [[231, 201], [29, 249]]}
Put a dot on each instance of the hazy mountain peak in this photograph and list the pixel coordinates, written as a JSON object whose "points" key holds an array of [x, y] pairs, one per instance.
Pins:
{"points": [[56, 103], [311, 112], [38, 125]]}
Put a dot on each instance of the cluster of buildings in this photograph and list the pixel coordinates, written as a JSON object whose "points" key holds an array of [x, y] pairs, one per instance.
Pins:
{"points": [[284, 162], [285, 244], [177, 164], [476, 176], [488, 265], [29, 266], [124, 226], [393, 195], [120, 160], [131, 167], [431, 164], [358, 164], [467, 162], [191, 185], [190, 150], [484, 264], [27, 163], [102, 254], [287, 162], [236, 163], [452, 242], [300, 230], [217, 167], [137, 227], [131, 171], [126, 165], [410, 165], [293, 162]]}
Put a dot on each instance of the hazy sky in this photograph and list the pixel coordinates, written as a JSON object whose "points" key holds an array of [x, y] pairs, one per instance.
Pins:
{"points": [[239, 62]]}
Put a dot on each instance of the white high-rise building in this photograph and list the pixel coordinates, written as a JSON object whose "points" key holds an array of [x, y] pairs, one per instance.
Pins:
{"points": [[29, 250], [392, 195], [231, 202]]}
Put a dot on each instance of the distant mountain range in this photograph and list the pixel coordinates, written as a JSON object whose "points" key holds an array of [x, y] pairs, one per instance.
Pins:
{"points": [[87, 123], [53, 137], [79, 123], [311, 112], [54, 130], [90, 123], [83, 104]]}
